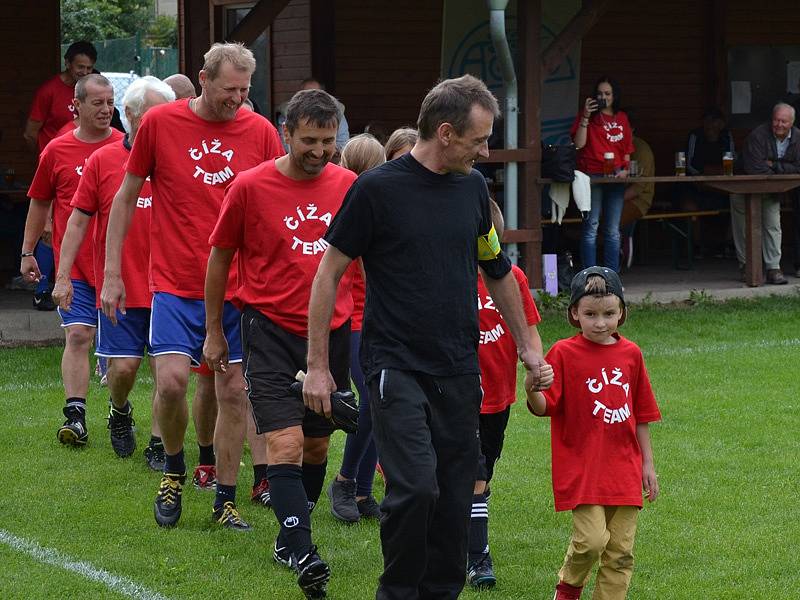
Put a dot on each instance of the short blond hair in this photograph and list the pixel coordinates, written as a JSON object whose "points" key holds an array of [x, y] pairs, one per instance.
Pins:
{"points": [[362, 153], [235, 53]]}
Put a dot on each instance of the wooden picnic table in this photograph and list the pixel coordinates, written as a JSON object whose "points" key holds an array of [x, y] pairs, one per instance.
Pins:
{"points": [[750, 186]]}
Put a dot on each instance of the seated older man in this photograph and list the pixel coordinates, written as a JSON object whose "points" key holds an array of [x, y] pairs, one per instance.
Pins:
{"points": [[772, 147]]}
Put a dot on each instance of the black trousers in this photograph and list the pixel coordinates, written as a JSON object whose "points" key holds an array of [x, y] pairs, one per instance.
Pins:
{"points": [[425, 432]]}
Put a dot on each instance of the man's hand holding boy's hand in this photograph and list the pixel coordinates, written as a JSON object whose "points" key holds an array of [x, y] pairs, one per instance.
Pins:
{"points": [[539, 377]]}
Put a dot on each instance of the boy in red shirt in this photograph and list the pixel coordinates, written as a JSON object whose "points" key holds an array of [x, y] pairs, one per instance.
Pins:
{"points": [[600, 405], [497, 355]]}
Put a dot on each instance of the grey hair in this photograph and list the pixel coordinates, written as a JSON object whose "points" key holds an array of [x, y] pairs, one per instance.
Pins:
{"points": [[784, 105], [81, 93], [136, 92]]}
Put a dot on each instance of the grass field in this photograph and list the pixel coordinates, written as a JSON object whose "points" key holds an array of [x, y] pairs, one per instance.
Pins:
{"points": [[726, 525]]}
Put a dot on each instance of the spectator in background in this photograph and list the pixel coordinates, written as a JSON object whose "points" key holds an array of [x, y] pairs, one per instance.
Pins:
{"points": [[638, 194], [705, 148], [707, 144], [342, 135], [181, 85], [52, 106], [400, 142], [601, 128], [771, 148]]}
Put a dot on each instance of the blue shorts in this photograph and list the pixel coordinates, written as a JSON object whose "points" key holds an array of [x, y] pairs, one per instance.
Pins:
{"points": [[128, 338], [83, 310], [178, 326]]}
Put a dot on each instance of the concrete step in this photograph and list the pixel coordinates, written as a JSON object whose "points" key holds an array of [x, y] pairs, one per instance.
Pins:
{"points": [[20, 327]]}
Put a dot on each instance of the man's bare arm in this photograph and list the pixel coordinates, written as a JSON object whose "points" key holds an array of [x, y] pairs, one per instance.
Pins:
{"points": [[38, 213], [505, 293], [318, 384], [215, 348], [77, 225], [31, 134]]}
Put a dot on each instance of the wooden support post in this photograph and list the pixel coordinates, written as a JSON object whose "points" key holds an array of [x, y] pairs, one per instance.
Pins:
{"points": [[257, 21], [753, 257], [529, 34]]}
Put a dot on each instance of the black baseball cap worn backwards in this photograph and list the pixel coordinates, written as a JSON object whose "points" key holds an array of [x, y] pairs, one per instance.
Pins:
{"points": [[578, 289]]}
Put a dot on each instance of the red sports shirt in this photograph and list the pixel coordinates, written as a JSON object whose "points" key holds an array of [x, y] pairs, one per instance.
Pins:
{"points": [[191, 162], [52, 107], [599, 395], [60, 167], [277, 224], [497, 351], [359, 290], [100, 181], [605, 133]]}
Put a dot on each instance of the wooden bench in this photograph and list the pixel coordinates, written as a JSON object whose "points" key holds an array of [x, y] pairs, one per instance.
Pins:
{"points": [[678, 223]]}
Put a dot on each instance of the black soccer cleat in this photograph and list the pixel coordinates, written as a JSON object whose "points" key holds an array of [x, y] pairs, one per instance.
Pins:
{"points": [[480, 574], [155, 457], [167, 507], [281, 554], [73, 432], [261, 495], [344, 408], [313, 574], [227, 516], [120, 426]]}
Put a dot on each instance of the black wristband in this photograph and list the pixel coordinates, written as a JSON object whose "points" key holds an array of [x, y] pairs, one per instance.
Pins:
{"points": [[25, 254]]}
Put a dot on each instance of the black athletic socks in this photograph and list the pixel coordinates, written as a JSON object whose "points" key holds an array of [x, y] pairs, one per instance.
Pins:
{"points": [[225, 493], [79, 403], [155, 441], [175, 463], [290, 505], [478, 528], [313, 480], [207, 455]]}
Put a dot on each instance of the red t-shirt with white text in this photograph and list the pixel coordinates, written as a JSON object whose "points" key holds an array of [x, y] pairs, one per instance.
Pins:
{"points": [[359, 291], [60, 167], [191, 162], [599, 395], [277, 224], [497, 351], [52, 107], [605, 133], [100, 181]]}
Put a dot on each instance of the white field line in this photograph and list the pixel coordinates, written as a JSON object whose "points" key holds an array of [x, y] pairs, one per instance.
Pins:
{"points": [[121, 585], [724, 347]]}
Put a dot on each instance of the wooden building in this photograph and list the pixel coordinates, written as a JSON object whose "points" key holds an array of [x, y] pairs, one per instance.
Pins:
{"points": [[379, 57]]}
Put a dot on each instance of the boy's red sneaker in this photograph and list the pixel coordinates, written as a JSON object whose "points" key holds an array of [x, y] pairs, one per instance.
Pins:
{"points": [[565, 591]]}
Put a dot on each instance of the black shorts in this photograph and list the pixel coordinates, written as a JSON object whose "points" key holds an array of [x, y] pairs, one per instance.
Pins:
{"points": [[492, 433], [271, 358]]}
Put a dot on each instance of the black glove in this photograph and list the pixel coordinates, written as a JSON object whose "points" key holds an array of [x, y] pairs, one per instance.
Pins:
{"points": [[344, 408]]}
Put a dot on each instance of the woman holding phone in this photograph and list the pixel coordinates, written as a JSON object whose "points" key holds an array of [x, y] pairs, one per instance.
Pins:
{"points": [[603, 137]]}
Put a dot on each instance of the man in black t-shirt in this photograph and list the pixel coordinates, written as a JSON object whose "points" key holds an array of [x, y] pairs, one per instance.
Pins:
{"points": [[422, 226]]}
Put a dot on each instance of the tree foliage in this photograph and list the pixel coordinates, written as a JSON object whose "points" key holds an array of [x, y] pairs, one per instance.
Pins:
{"points": [[109, 19]]}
